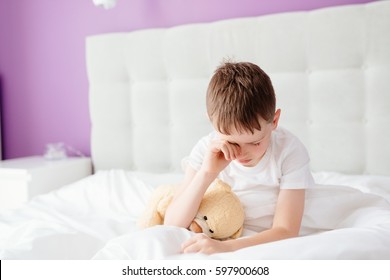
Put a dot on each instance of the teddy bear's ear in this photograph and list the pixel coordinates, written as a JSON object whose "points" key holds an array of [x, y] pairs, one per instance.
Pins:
{"points": [[238, 233]]}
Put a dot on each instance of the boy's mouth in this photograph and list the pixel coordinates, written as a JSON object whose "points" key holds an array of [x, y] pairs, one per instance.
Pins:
{"points": [[244, 161]]}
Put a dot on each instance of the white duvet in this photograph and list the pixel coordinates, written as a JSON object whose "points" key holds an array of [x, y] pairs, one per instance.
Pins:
{"points": [[346, 217]]}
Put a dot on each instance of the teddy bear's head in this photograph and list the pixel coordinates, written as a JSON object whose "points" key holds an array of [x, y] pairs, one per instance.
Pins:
{"points": [[220, 214]]}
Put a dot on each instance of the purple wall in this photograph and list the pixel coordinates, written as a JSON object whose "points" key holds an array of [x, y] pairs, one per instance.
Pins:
{"points": [[42, 71]]}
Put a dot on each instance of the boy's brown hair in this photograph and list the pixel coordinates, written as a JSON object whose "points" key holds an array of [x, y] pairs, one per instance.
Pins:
{"points": [[237, 95]]}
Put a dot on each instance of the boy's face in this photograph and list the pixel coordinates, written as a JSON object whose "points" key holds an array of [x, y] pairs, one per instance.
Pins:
{"points": [[252, 146]]}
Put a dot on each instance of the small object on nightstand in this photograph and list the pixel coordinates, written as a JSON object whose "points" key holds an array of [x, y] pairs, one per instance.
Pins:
{"points": [[23, 178], [55, 151]]}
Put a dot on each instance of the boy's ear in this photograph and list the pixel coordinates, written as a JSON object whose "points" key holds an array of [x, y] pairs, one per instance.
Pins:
{"points": [[276, 118]]}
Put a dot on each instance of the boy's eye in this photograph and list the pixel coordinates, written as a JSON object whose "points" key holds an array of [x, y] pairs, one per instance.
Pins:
{"points": [[234, 144], [257, 144]]}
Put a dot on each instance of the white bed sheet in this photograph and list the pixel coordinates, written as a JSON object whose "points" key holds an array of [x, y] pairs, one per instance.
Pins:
{"points": [[95, 218]]}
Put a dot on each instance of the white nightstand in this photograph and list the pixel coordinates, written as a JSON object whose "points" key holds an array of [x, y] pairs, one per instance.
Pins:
{"points": [[23, 178]]}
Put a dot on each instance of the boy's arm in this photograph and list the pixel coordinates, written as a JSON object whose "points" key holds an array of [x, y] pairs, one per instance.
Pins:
{"points": [[286, 224], [188, 196], [186, 201]]}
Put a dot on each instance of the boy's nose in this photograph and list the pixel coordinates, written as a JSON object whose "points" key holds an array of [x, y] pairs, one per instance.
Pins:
{"points": [[242, 155], [243, 151]]}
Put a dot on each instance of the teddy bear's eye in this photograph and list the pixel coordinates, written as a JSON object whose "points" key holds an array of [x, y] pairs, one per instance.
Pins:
{"points": [[211, 231], [205, 218]]}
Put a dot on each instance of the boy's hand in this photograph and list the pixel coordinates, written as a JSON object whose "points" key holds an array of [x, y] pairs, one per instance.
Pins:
{"points": [[219, 155], [201, 243]]}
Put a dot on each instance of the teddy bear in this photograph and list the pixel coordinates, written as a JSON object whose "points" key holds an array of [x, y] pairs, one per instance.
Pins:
{"points": [[220, 214]]}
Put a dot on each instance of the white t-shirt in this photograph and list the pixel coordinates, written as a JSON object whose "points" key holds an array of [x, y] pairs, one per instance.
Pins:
{"points": [[285, 165]]}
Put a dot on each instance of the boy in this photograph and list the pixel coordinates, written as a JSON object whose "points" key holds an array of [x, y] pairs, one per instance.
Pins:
{"points": [[249, 152]]}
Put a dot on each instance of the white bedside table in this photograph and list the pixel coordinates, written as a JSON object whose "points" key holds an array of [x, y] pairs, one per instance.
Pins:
{"points": [[23, 178]]}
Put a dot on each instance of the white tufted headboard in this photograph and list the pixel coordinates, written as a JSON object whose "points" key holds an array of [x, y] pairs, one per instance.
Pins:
{"points": [[330, 69]]}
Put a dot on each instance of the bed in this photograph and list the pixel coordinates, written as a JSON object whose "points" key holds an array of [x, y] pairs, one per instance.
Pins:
{"points": [[331, 72]]}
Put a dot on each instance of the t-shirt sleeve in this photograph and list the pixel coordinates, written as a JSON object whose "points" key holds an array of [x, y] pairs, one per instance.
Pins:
{"points": [[195, 159], [295, 167]]}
